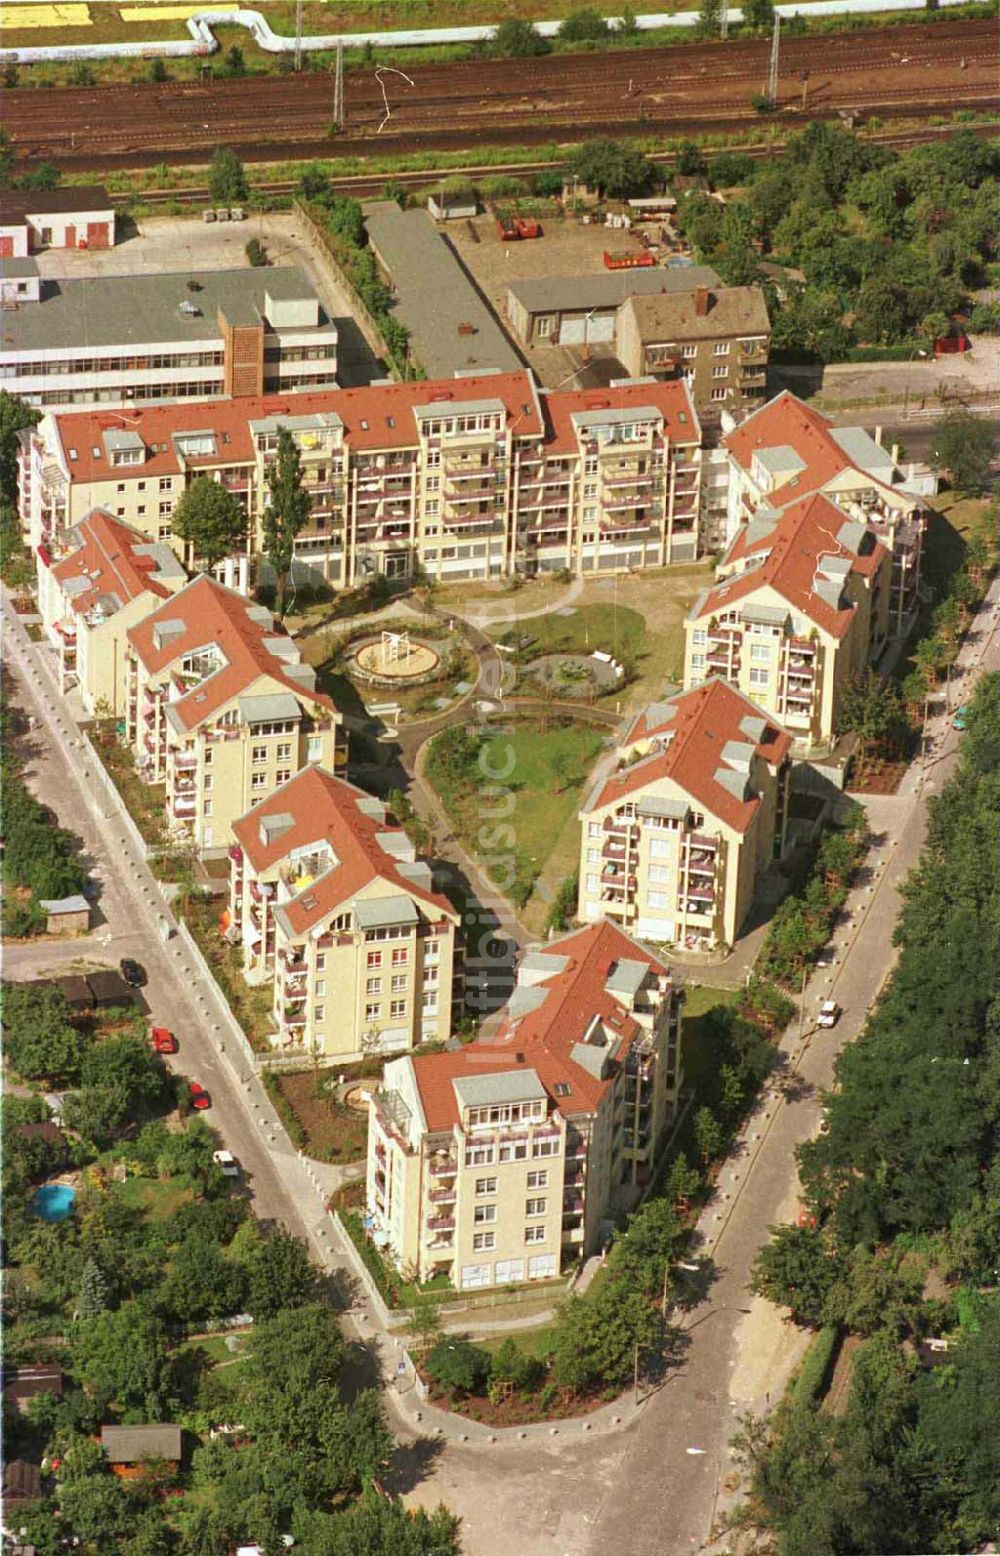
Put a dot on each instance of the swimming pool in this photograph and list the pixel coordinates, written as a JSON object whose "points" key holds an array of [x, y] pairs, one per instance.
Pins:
{"points": [[53, 1201]]}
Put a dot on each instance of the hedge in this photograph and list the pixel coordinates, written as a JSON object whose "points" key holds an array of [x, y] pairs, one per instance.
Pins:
{"points": [[817, 1368]]}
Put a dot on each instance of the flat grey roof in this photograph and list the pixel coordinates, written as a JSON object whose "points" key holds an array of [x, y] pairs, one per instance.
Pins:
{"points": [[435, 296], [568, 294], [18, 265], [380, 912], [128, 310], [627, 976], [476, 1091], [862, 450], [270, 707]]}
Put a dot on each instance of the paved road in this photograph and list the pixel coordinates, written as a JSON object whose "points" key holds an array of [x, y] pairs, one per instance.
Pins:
{"points": [[578, 1496]]}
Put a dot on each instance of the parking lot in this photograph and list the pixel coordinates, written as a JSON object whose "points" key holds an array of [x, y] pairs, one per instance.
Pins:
{"points": [[164, 243]]}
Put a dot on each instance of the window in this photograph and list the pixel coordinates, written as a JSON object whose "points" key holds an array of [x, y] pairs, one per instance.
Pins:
{"points": [[697, 661], [429, 1002], [166, 483], [321, 961], [314, 751], [539, 1179], [720, 372], [542, 1266], [761, 651], [656, 899], [165, 510], [373, 986], [593, 884], [699, 637], [284, 752], [207, 782], [660, 874], [514, 1151], [544, 1148], [283, 774], [258, 754], [534, 1234], [430, 976], [759, 677], [397, 1009], [486, 1186], [206, 809], [479, 1156], [594, 829], [593, 856], [721, 348], [374, 958], [398, 983], [535, 1207], [484, 1215], [689, 352], [258, 782], [483, 1241], [718, 394], [544, 328], [320, 988], [164, 532], [475, 1275], [121, 486], [319, 1014], [400, 956], [508, 1271], [659, 848], [373, 1012]]}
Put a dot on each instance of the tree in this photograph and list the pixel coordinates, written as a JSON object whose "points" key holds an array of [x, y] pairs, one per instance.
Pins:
{"points": [[758, 14], [613, 167], [41, 1042], [95, 1290], [158, 71], [583, 26], [708, 1134], [691, 160], [281, 1275], [963, 446], [235, 63], [124, 1355], [425, 1326], [458, 1367], [120, 1079], [211, 520], [97, 1508], [314, 184], [796, 1269], [286, 512], [599, 1335], [44, 175], [564, 767], [517, 39], [871, 708], [227, 182], [709, 18], [201, 1283], [15, 415]]}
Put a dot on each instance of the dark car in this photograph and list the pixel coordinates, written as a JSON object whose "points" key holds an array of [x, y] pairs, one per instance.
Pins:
{"points": [[199, 1096], [133, 972]]}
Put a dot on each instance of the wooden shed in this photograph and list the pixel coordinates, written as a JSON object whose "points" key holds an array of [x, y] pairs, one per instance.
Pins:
{"points": [[67, 915], [127, 1448], [109, 990], [23, 1383]]}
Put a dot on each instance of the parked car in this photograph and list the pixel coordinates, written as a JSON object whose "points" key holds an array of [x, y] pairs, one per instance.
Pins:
{"points": [[198, 1096], [163, 1040], [227, 1163], [961, 719], [829, 1014], [133, 972]]}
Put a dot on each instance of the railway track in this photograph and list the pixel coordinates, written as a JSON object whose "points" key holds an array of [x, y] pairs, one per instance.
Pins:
{"points": [[366, 186], [682, 89]]}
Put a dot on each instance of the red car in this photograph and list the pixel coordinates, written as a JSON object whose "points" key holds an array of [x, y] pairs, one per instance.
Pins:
{"points": [[164, 1042], [199, 1096]]}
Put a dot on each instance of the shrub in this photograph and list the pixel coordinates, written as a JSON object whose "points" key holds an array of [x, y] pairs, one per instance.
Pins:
{"points": [[512, 1365], [814, 1377], [256, 253], [459, 1367]]}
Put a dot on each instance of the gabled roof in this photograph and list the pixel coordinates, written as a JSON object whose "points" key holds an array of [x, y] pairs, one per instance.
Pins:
{"points": [[671, 401], [18, 204], [805, 558], [133, 1444], [708, 727], [673, 316], [566, 1036], [206, 613], [112, 563], [788, 425], [314, 807]]}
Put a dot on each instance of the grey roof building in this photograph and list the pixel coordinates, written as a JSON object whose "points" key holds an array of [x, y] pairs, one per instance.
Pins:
{"points": [[545, 310], [452, 330]]}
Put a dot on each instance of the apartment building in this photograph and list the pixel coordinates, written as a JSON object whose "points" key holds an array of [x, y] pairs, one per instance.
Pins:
{"points": [[476, 477], [803, 604], [80, 217], [674, 842], [331, 905], [715, 338], [220, 709], [508, 1159], [95, 582], [583, 310], [130, 340], [787, 449]]}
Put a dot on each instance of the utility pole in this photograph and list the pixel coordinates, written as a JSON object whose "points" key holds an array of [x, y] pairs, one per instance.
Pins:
{"points": [[338, 87], [298, 35], [802, 1000], [771, 91], [724, 21], [635, 1372]]}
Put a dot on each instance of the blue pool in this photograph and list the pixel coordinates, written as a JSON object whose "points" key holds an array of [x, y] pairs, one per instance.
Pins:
{"points": [[53, 1201]]}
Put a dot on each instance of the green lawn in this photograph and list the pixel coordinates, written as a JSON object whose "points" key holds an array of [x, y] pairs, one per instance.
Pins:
{"points": [[615, 629], [545, 772], [699, 1054], [532, 1342], [158, 1198]]}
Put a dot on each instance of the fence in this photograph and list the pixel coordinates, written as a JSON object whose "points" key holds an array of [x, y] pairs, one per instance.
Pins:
{"points": [[364, 318], [386, 1317], [106, 784], [229, 1022]]}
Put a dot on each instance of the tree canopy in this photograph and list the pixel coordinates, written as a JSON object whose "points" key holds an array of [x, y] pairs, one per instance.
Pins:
{"points": [[963, 447], [286, 512], [612, 166], [211, 519], [227, 182]]}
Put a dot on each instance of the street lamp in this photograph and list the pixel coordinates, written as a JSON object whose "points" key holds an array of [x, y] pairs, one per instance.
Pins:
{"points": [[918, 351]]}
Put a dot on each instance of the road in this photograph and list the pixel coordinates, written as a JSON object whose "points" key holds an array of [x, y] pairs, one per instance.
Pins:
{"points": [[578, 1496]]}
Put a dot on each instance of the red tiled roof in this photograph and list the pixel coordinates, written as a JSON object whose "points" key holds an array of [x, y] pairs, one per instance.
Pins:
{"points": [[107, 555], [706, 719], [213, 614], [671, 399], [794, 549], [787, 422], [542, 1040], [325, 809], [374, 417]]}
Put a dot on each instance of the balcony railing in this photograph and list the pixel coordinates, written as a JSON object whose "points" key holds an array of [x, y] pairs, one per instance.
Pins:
{"points": [[444, 1167]]}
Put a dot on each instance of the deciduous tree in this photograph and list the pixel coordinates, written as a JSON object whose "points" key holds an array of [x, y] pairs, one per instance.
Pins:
{"points": [[211, 520], [286, 512]]}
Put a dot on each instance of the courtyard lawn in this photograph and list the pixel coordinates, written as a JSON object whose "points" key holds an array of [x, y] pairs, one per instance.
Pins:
{"points": [[546, 768], [157, 1198], [699, 1053], [612, 628]]}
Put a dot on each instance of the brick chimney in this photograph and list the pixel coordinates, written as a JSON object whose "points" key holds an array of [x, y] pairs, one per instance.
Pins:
{"points": [[701, 301]]}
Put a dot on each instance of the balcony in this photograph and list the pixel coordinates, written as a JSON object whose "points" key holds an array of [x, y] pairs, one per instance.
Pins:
{"points": [[700, 894], [184, 761], [482, 492], [184, 805], [294, 1021], [442, 1196], [441, 1223]]}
